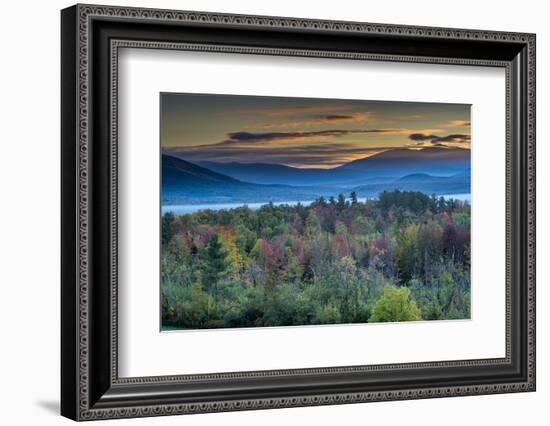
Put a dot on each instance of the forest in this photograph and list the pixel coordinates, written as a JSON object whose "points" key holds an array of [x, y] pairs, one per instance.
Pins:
{"points": [[404, 256]]}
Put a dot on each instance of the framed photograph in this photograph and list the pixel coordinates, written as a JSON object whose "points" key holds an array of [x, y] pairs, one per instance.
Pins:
{"points": [[263, 212]]}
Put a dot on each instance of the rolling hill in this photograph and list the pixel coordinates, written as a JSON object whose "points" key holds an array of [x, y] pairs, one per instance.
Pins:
{"points": [[185, 182], [456, 184]]}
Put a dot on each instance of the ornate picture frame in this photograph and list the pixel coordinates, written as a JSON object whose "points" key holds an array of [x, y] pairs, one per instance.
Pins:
{"points": [[91, 37]]}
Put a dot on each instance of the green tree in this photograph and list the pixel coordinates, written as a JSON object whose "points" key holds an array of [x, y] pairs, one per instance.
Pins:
{"points": [[353, 197], [394, 305], [446, 291], [215, 264], [329, 315], [407, 253], [341, 203], [313, 225], [168, 227], [346, 279]]}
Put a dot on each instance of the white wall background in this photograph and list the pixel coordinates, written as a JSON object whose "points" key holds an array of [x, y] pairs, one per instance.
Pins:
{"points": [[29, 213]]}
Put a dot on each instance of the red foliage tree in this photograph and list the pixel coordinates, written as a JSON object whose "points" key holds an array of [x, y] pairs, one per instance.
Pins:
{"points": [[267, 259], [340, 247]]}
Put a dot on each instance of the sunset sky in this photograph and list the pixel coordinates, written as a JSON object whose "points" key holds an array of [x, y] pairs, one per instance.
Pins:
{"points": [[303, 132]]}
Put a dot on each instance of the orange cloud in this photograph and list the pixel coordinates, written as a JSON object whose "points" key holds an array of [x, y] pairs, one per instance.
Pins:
{"points": [[458, 123]]}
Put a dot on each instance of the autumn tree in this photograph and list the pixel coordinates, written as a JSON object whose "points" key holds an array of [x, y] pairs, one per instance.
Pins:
{"points": [[399, 257]]}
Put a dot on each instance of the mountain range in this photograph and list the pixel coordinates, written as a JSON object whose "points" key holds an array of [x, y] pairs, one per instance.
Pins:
{"points": [[393, 163], [430, 170]]}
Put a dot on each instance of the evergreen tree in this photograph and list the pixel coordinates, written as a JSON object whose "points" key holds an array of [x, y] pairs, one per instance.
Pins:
{"points": [[341, 203], [215, 264], [353, 197]]}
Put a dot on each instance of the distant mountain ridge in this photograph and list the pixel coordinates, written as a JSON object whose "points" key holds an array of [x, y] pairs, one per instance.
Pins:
{"points": [[392, 163], [184, 182], [388, 161]]}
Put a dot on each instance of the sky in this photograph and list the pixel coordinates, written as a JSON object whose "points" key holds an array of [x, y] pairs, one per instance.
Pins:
{"points": [[304, 132]]}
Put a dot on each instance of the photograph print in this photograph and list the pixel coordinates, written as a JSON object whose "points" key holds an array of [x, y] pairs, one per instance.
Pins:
{"points": [[279, 211]]}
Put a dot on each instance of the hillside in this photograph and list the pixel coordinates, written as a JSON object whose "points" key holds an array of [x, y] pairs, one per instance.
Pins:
{"points": [[176, 172], [402, 162], [185, 182]]}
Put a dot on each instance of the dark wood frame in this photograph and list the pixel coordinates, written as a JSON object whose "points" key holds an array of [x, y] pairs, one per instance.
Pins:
{"points": [[91, 37]]}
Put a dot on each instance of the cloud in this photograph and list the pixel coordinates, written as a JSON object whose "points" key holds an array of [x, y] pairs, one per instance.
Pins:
{"points": [[356, 117], [336, 117], [318, 120], [421, 137], [320, 148], [252, 137], [459, 123], [271, 136], [458, 138], [455, 138]]}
